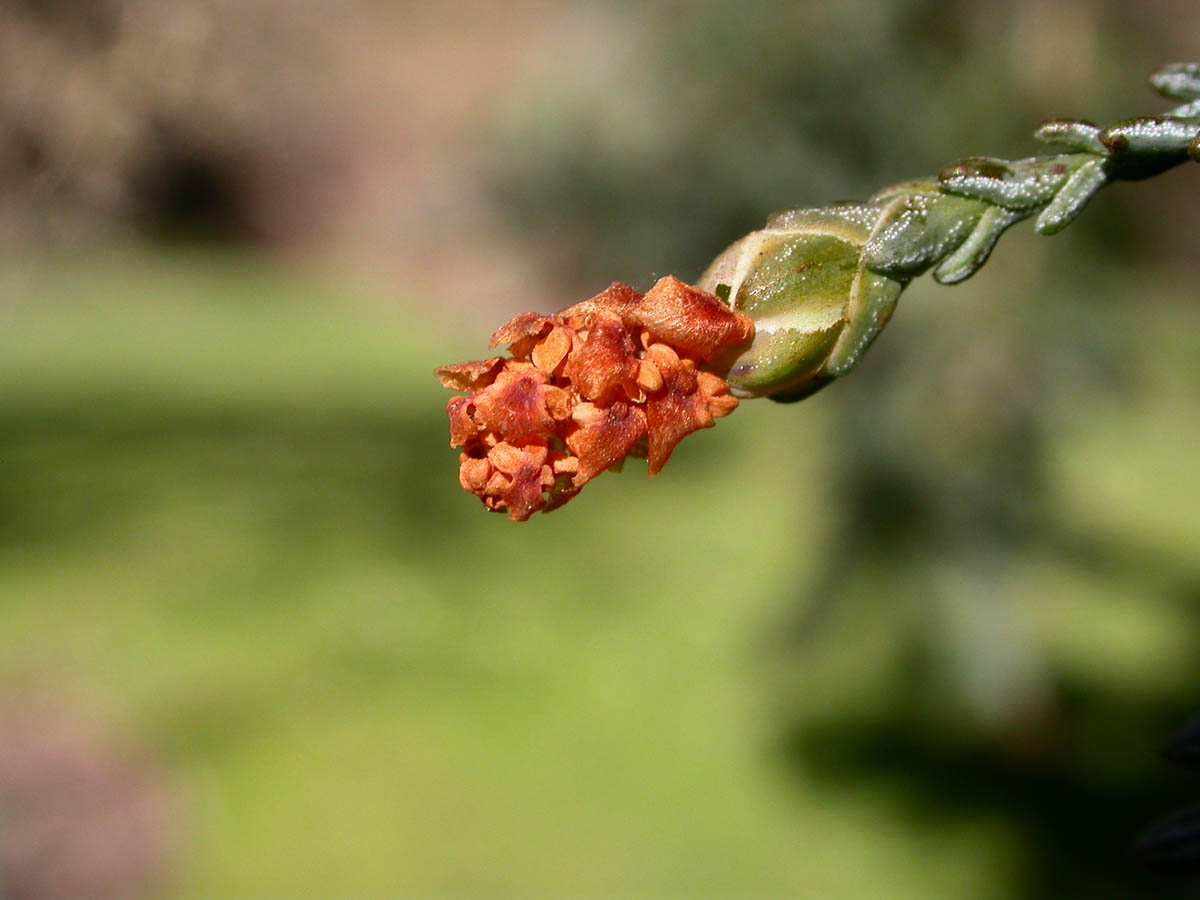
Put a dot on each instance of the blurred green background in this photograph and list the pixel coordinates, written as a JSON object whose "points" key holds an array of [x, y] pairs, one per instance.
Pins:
{"points": [[919, 636]]}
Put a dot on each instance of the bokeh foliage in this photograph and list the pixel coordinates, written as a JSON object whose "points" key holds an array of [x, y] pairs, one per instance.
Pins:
{"points": [[234, 512]]}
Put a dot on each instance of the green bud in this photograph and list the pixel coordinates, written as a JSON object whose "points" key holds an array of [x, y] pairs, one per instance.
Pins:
{"points": [[814, 304]]}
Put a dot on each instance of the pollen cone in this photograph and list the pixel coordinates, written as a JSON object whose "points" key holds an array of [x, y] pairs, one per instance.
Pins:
{"points": [[622, 374]]}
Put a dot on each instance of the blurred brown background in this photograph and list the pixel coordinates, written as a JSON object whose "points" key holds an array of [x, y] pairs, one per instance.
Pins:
{"points": [[919, 636]]}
